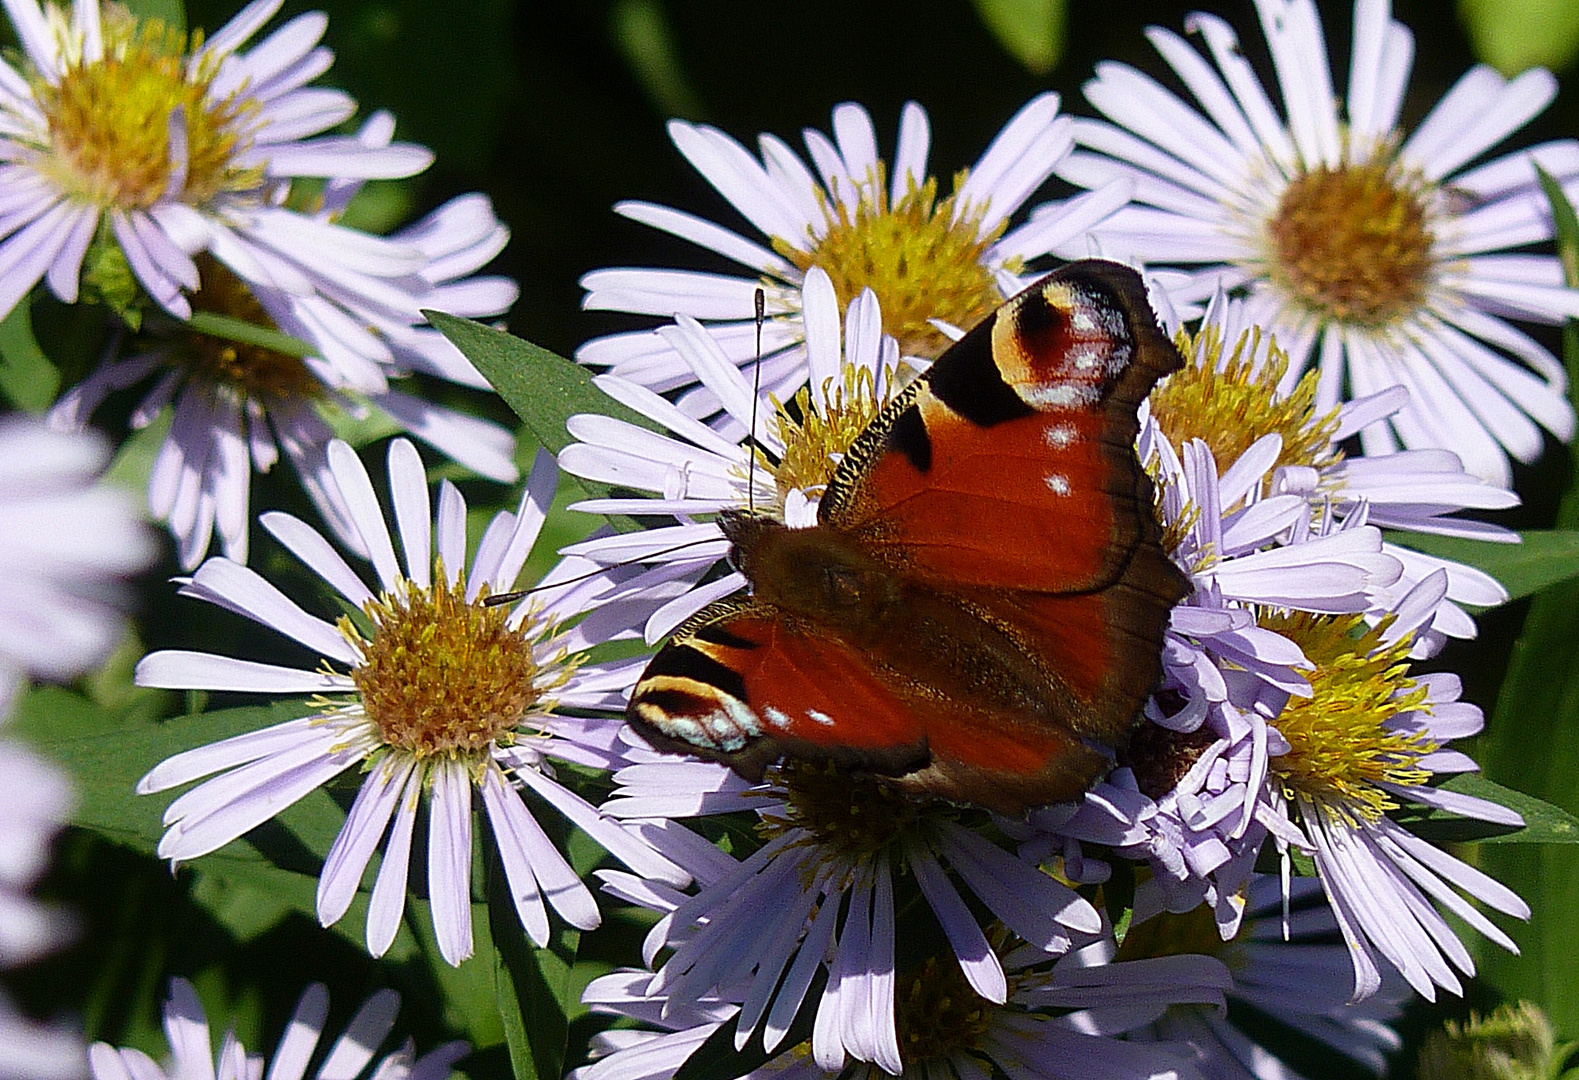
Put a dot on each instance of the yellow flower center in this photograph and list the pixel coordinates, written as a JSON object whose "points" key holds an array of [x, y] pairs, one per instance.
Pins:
{"points": [[937, 1014], [816, 438], [1353, 244], [109, 122], [921, 261], [1230, 404], [1340, 747], [442, 676], [253, 371]]}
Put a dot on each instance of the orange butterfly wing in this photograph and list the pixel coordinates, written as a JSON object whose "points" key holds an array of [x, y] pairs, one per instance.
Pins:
{"points": [[980, 608]]}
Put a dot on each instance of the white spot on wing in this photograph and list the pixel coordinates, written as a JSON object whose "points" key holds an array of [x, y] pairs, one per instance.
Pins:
{"points": [[820, 716], [1060, 436], [1058, 395], [777, 717], [1058, 484]]}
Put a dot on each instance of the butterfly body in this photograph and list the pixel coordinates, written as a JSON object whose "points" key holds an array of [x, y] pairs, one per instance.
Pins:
{"points": [[978, 611]]}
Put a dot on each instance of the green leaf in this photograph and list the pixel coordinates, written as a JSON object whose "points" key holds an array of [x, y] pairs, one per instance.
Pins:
{"points": [[543, 388], [1532, 742], [27, 376], [646, 41], [1543, 822], [1544, 558], [1031, 31], [533, 987], [1512, 35]]}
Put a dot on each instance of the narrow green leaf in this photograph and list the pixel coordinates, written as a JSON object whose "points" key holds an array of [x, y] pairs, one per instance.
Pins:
{"points": [[1532, 742], [27, 376], [1514, 35], [1543, 822], [543, 388], [1544, 558], [532, 987], [1031, 31], [232, 329], [646, 40], [467, 990]]}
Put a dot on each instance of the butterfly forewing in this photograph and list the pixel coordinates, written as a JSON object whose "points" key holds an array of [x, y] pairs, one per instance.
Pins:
{"points": [[1010, 463]]}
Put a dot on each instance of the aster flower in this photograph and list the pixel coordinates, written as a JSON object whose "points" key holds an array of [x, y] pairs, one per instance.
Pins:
{"points": [[192, 1052], [131, 147], [1376, 257], [866, 222], [695, 471], [1287, 965], [1060, 1019], [238, 403], [431, 693], [1235, 391], [1368, 741], [832, 841]]}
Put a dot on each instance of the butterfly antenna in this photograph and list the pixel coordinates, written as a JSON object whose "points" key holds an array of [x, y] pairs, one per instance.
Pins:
{"points": [[756, 395], [496, 599]]}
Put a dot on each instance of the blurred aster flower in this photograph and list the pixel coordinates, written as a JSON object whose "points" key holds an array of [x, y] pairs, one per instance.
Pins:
{"points": [[1061, 1020], [38, 798], [128, 147], [442, 694], [65, 540], [1376, 257], [1289, 968], [300, 344], [192, 1052], [694, 470], [832, 840], [867, 223]]}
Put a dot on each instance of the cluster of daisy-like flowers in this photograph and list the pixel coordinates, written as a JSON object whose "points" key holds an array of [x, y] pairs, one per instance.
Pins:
{"points": [[1286, 720], [186, 184], [1352, 286]]}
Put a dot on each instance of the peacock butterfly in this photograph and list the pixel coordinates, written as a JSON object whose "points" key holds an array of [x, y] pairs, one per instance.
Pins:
{"points": [[978, 611]]}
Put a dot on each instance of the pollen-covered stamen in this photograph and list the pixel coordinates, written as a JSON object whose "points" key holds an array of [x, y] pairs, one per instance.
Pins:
{"points": [[109, 122], [850, 816], [816, 438], [442, 676], [1353, 244], [1230, 404], [937, 1014], [253, 371], [920, 260], [1340, 745]]}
